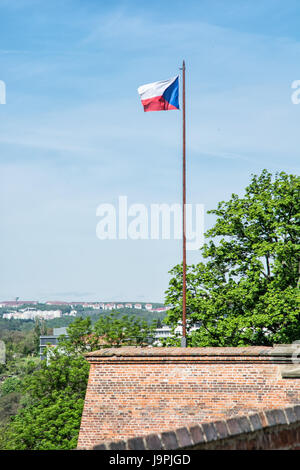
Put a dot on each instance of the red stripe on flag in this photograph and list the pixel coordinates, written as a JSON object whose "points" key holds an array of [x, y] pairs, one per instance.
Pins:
{"points": [[158, 103]]}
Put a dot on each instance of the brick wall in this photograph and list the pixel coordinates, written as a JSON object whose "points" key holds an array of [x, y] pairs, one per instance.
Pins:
{"points": [[270, 430], [138, 391]]}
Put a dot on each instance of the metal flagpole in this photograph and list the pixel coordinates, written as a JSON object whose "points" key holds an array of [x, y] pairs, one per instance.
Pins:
{"points": [[183, 339]]}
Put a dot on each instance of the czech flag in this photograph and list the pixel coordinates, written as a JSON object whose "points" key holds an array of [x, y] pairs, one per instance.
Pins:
{"points": [[160, 96]]}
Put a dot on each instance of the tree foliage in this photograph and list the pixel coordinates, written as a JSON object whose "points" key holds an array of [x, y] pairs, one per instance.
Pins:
{"points": [[115, 331], [53, 395], [49, 424], [245, 292], [9, 385]]}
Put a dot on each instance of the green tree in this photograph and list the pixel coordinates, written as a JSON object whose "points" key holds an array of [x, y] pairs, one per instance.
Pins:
{"points": [[53, 395], [53, 398], [9, 405], [49, 424], [39, 329], [81, 337], [9, 385], [115, 331], [245, 292]]}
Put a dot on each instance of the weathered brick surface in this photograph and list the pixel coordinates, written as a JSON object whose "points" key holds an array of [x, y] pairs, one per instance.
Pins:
{"points": [[136, 443], [153, 442], [197, 434], [255, 422], [232, 434], [140, 391], [183, 437], [221, 429], [210, 431]]}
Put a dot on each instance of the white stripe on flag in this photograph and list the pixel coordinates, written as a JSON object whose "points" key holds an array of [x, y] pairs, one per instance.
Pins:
{"points": [[150, 90]]}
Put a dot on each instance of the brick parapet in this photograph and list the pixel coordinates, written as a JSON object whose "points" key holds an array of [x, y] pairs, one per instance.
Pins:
{"points": [[270, 429], [138, 391], [136, 355]]}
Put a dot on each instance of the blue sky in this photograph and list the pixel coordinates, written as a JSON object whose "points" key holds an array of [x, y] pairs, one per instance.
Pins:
{"points": [[73, 133]]}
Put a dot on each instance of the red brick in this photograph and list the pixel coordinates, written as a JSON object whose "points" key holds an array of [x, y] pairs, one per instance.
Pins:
{"points": [[138, 391]]}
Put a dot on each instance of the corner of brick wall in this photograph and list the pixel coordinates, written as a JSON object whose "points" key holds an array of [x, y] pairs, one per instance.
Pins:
{"points": [[145, 391]]}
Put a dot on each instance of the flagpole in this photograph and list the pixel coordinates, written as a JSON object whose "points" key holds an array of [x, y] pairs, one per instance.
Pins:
{"points": [[183, 339]]}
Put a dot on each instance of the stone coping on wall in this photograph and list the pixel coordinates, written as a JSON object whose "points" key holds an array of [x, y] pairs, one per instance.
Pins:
{"points": [[213, 434], [277, 354]]}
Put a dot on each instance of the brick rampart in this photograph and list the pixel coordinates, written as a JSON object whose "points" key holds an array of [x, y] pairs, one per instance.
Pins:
{"points": [[138, 391], [270, 430]]}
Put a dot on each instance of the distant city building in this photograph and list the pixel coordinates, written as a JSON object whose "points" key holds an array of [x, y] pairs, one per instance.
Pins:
{"points": [[17, 303], [148, 306], [32, 314], [120, 306], [52, 340], [138, 306], [73, 313], [128, 305], [163, 332], [108, 307], [166, 331], [92, 305]]}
